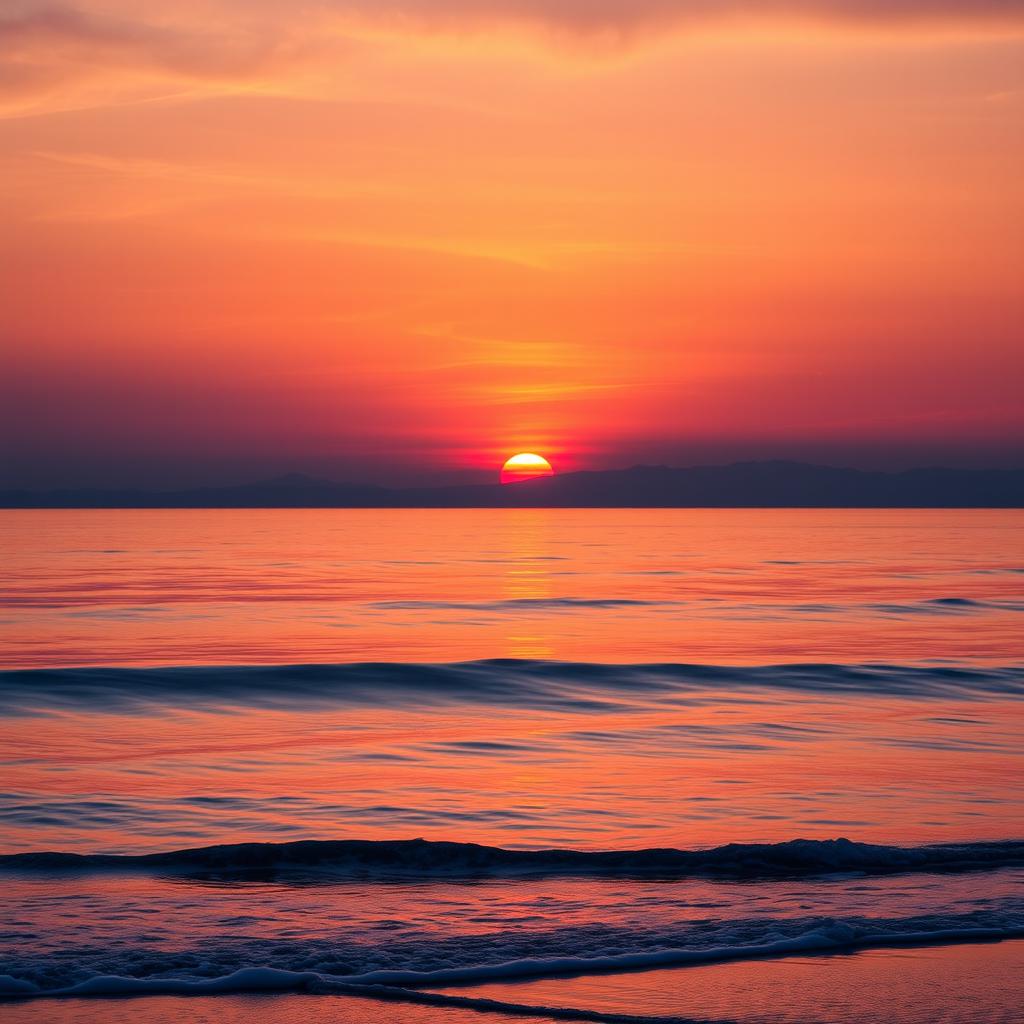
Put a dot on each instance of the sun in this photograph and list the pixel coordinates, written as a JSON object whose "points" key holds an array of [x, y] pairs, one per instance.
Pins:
{"points": [[525, 466]]}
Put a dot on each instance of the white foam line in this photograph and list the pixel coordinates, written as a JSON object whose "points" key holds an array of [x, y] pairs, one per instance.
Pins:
{"points": [[815, 941], [403, 985]]}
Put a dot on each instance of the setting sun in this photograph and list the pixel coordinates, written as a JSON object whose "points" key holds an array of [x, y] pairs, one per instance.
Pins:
{"points": [[525, 466]]}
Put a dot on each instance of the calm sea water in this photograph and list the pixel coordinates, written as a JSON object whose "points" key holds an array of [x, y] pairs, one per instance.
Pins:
{"points": [[731, 587], [529, 679]]}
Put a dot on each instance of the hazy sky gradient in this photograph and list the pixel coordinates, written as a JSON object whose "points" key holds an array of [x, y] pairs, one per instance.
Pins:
{"points": [[402, 239]]}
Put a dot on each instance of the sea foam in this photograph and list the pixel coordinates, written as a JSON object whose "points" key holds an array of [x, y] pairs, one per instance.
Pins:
{"points": [[405, 984]]}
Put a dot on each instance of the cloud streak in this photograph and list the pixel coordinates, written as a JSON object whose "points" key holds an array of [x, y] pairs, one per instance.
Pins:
{"points": [[45, 48], [628, 15], [43, 45], [249, 35], [71, 33]]}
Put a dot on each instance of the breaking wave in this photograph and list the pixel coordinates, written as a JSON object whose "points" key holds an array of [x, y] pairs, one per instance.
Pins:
{"points": [[767, 938], [406, 964], [420, 858]]}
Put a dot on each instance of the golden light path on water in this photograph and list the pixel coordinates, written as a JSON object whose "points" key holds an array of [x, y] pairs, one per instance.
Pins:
{"points": [[726, 586]]}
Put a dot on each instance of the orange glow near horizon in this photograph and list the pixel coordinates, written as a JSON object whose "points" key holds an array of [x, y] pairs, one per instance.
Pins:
{"points": [[525, 466], [343, 240]]}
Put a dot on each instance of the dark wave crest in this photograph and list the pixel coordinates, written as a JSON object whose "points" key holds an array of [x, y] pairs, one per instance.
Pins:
{"points": [[420, 858], [544, 685]]}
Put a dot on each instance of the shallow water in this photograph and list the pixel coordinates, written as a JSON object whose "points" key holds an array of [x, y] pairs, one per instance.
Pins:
{"points": [[956, 984], [592, 679], [61, 930], [950, 985], [243, 1009]]}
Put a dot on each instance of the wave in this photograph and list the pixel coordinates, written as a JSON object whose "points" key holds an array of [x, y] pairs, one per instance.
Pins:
{"points": [[233, 953], [384, 859], [927, 606], [406, 985], [522, 683], [523, 604]]}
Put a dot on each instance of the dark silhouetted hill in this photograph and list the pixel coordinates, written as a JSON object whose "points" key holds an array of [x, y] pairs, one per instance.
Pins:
{"points": [[739, 485]]}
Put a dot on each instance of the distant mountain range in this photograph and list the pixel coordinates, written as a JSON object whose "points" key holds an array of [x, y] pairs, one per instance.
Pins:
{"points": [[739, 485]]}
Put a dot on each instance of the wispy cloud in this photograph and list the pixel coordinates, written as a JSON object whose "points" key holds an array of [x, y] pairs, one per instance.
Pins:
{"points": [[231, 38], [628, 15], [217, 44], [77, 34], [66, 53]]}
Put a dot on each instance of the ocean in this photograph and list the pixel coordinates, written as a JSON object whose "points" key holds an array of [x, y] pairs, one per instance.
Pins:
{"points": [[414, 765]]}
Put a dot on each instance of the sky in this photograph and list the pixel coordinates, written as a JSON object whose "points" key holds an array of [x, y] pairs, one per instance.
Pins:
{"points": [[400, 240]]}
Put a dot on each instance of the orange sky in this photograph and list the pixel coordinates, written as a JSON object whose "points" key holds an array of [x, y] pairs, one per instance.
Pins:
{"points": [[396, 239]]}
